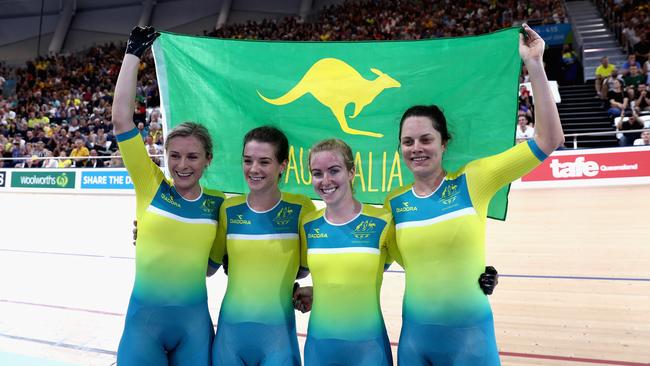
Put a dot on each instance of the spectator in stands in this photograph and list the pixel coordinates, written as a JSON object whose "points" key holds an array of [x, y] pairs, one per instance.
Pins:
{"points": [[74, 125], [18, 139], [644, 139], [524, 97], [63, 163], [49, 162], [523, 76], [102, 144], [525, 130], [608, 84], [642, 99], [3, 154], [630, 34], [155, 116], [152, 152], [569, 64], [618, 101], [140, 114], [631, 60], [94, 161], [142, 129], [603, 71], [156, 132], [152, 148], [17, 152], [632, 81], [642, 48], [37, 154], [116, 160], [79, 152], [631, 123]]}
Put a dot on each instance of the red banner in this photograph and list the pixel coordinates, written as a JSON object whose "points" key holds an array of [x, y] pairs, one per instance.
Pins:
{"points": [[592, 164]]}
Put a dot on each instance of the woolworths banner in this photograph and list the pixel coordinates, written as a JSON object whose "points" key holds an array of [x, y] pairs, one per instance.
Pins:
{"points": [[43, 179]]}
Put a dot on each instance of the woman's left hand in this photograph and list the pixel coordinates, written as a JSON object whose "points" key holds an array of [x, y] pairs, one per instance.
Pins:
{"points": [[531, 48], [303, 297]]}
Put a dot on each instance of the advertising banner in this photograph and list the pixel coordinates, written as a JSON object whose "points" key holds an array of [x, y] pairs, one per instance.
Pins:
{"points": [[3, 176], [106, 179], [592, 165], [32, 179]]}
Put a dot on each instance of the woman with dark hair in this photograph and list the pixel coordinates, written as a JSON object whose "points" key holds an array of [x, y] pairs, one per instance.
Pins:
{"points": [[259, 234], [446, 318]]}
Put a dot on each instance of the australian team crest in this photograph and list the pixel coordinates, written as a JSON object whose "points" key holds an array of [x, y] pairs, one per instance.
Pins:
{"points": [[449, 194], [284, 216], [208, 206], [364, 229]]}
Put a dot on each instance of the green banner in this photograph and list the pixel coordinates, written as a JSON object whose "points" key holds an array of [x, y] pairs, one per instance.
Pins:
{"points": [[42, 179], [355, 91]]}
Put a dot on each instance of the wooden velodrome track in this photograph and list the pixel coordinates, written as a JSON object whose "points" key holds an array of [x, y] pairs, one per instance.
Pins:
{"points": [[574, 286]]}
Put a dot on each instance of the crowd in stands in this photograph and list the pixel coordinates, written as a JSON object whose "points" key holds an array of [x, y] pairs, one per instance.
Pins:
{"points": [[61, 106], [61, 111], [394, 20], [624, 88]]}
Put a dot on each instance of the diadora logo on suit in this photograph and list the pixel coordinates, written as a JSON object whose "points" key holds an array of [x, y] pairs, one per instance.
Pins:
{"points": [[364, 229], [335, 84], [406, 206], [169, 199], [316, 234], [240, 220], [284, 216]]}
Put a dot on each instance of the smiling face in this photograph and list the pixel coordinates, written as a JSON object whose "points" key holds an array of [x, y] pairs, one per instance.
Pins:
{"points": [[187, 159], [522, 121], [330, 178], [260, 166], [422, 147]]}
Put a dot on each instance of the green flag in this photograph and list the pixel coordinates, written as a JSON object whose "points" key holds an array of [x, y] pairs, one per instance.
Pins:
{"points": [[355, 91]]}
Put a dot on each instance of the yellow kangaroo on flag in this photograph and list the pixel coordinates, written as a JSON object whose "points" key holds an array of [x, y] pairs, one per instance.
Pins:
{"points": [[335, 84]]}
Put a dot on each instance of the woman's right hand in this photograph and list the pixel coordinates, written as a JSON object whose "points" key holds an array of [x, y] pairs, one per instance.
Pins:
{"points": [[140, 39]]}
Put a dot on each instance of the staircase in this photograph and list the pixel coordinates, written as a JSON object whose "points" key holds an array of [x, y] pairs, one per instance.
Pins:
{"points": [[580, 111], [593, 37]]}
